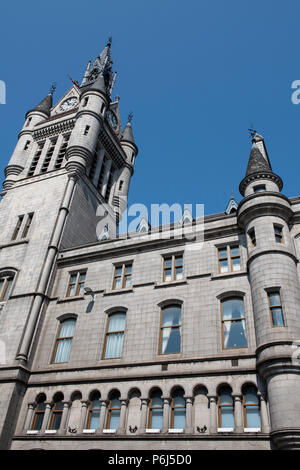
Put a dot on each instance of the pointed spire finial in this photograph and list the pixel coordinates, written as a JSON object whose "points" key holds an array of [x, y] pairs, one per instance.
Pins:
{"points": [[52, 88], [109, 41], [130, 116]]}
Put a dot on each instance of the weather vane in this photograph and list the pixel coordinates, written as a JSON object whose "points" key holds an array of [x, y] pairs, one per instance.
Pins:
{"points": [[252, 130], [53, 88], [130, 116]]}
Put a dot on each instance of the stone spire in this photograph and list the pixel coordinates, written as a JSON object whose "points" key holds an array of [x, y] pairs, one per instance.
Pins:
{"points": [[44, 106], [127, 133], [259, 166], [101, 66]]}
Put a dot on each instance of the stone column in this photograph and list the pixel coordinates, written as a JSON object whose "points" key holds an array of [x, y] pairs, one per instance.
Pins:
{"points": [[46, 416], [62, 428], [264, 418], [143, 420], [102, 416], [188, 414], [30, 412], [121, 428], [83, 413], [238, 413], [213, 414], [166, 401]]}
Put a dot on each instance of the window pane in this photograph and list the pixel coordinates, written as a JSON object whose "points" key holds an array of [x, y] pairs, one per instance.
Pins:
{"points": [[251, 396], [232, 308], [168, 262], [38, 421], [156, 419], [227, 419], [170, 340], [118, 284], [114, 419], [56, 421], [157, 400], [223, 253], [128, 281], [95, 415], [171, 316], [118, 271], [234, 334], [236, 264], [224, 266], [274, 298], [8, 287], [72, 291], [253, 417], [235, 251], [128, 269], [67, 328], [178, 273], [117, 322], [168, 275], [63, 350], [226, 397], [114, 345], [179, 400], [178, 261], [277, 316], [179, 418]]}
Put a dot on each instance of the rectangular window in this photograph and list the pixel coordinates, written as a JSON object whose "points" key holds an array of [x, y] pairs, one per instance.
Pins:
{"points": [[86, 131], [170, 330], [76, 284], [18, 226], [259, 189], [278, 233], [173, 268], [122, 276], [27, 225], [229, 258], [252, 237], [27, 145], [233, 323], [275, 308], [5, 287], [62, 152], [48, 156], [63, 341], [36, 158], [114, 335]]}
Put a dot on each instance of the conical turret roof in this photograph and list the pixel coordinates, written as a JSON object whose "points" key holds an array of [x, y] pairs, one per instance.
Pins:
{"points": [[257, 162], [128, 134], [44, 106]]}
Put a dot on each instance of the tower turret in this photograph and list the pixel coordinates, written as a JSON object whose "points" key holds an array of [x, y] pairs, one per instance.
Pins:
{"points": [[25, 140], [265, 214]]}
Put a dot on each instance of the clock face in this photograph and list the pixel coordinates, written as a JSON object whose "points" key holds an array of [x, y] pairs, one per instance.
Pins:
{"points": [[68, 104], [112, 119]]}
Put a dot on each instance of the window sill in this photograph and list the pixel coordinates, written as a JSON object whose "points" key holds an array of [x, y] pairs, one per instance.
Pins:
{"points": [[70, 299], [118, 291], [176, 431], [50, 431], [109, 431], [89, 431], [32, 432], [152, 431], [228, 274], [252, 430], [177, 282], [225, 429]]}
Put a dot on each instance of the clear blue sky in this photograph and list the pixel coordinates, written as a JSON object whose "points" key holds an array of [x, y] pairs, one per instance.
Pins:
{"points": [[196, 74]]}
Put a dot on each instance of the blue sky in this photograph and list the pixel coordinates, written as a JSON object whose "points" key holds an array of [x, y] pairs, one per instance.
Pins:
{"points": [[196, 74]]}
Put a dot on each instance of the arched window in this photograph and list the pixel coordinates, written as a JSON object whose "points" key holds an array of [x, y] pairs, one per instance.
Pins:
{"points": [[251, 407], [178, 410], [94, 411], [170, 329], [57, 410], [233, 323], [6, 281], [113, 411], [114, 335], [39, 413], [156, 409], [63, 341], [225, 408]]}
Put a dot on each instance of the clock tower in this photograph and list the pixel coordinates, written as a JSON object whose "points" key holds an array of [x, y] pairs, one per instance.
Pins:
{"points": [[72, 165]]}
